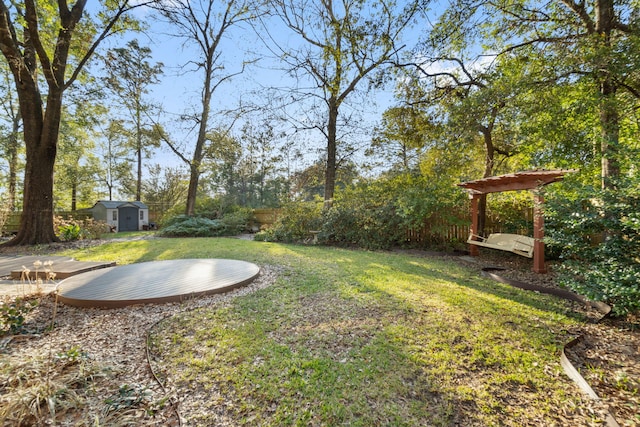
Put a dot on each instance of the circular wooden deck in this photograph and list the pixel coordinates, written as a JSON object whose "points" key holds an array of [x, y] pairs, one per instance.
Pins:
{"points": [[155, 282]]}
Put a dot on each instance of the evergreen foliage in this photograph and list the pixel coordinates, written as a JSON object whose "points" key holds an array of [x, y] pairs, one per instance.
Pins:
{"points": [[598, 235], [294, 223], [201, 226], [193, 226]]}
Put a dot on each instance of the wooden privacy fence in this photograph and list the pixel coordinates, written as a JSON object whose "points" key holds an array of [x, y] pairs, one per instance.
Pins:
{"points": [[12, 221], [265, 217], [439, 229], [454, 228], [435, 229]]}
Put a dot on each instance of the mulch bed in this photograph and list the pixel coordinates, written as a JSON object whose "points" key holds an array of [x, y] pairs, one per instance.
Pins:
{"points": [[608, 352]]}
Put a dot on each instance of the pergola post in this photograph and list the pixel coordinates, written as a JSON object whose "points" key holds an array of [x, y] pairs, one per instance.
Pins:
{"points": [[473, 249], [538, 232]]}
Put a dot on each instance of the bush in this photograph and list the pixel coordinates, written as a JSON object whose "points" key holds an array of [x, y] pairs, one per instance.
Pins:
{"points": [[294, 223], [237, 221], [372, 215], [205, 208], [234, 222], [363, 221], [69, 232], [598, 235], [12, 315], [71, 229], [512, 210], [193, 226]]}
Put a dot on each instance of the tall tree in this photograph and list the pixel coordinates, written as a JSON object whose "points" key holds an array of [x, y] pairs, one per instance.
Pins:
{"points": [[308, 184], [116, 163], [260, 163], [205, 24], [401, 137], [77, 166], [595, 40], [10, 129], [40, 40], [164, 188], [222, 161], [468, 99], [129, 76], [341, 45]]}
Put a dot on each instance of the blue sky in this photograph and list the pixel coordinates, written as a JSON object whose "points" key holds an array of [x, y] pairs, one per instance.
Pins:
{"points": [[179, 90]]}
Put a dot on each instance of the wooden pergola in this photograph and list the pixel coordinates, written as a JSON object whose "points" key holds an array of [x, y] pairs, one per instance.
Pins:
{"points": [[527, 180]]}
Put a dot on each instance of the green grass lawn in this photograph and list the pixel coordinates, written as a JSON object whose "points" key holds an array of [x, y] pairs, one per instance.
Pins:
{"points": [[358, 338]]}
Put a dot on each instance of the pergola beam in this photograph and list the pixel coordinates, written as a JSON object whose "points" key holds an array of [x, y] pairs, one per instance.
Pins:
{"points": [[528, 180]]}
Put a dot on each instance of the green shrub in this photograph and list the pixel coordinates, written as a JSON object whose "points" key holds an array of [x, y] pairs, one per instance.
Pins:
{"points": [[70, 229], [69, 232], [234, 222], [12, 315], [372, 215], [362, 222], [512, 210], [168, 216], [193, 226], [294, 223], [598, 235], [206, 207], [237, 221]]}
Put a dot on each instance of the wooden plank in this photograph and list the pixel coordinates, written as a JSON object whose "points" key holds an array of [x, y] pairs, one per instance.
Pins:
{"points": [[8, 264], [63, 270]]}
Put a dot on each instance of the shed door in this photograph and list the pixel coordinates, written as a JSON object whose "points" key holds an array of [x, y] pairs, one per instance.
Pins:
{"points": [[128, 219]]}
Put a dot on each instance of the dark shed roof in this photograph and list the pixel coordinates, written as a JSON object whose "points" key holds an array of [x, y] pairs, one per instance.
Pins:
{"points": [[114, 204]]}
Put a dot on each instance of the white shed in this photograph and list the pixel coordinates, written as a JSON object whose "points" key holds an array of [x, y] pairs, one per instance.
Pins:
{"points": [[122, 216]]}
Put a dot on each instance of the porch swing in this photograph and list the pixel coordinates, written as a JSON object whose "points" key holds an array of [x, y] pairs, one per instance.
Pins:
{"points": [[530, 247], [510, 242], [516, 243]]}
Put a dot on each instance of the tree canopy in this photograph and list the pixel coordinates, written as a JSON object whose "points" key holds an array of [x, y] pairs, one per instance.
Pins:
{"points": [[47, 45]]}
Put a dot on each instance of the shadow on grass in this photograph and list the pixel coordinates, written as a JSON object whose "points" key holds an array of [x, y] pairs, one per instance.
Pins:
{"points": [[364, 338]]}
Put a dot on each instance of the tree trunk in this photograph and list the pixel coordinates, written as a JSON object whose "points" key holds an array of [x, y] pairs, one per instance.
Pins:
{"points": [[609, 117], [609, 121], [489, 161], [139, 149], [30, 65], [139, 174], [12, 155], [330, 173], [74, 195], [202, 138], [194, 166], [192, 191], [41, 138]]}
